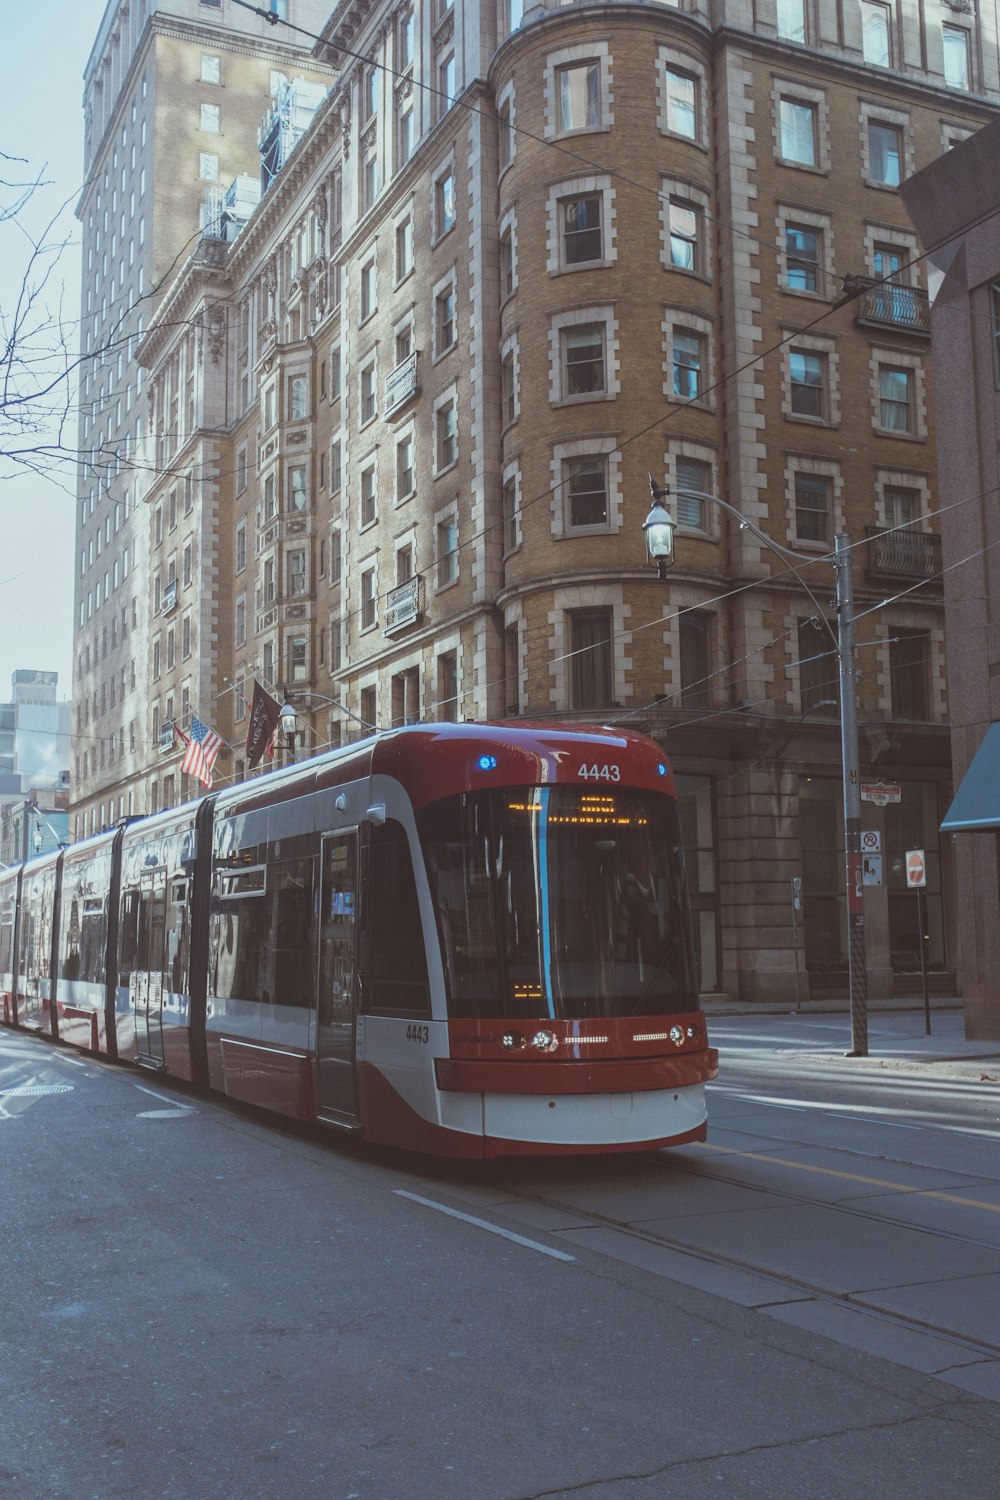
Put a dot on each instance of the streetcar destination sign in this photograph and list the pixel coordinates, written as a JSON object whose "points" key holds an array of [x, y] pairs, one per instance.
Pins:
{"points": [[879, 793]]}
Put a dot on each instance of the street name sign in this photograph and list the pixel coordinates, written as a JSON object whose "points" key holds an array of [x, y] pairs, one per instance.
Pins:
{"points": [[879, 793]]}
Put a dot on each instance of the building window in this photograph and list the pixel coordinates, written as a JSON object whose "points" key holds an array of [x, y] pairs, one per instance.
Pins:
{"points": [[298, 495], [508, 379], [444, 203], [240, 629], [446, 436], [895, 390], [447, 551], [508, 274], [685, 228], [336, 467], [807, 374], [578, 94], [693, 630], [296, 574], [297, 659], [211, 68], [692, 474], [797, 121], [241, 546], [298, 398], [511, 516], [447, 686], [368, 502], [506, 133], [682, 103], [406, 483], [791, 20], [885, 153], [369, 599], [369, 94], [336, 557], [404, 248], [211, 119], [445, 83], [812, 508], [582, 232], [956, 56], [444, 319], [583, 360], [688, 363], [909, 657], [368, 299], [817, 667], [369, 403], [590, 648], [803, 258], [876, 34], [585, 482], [208, 166], [404, 134], [900, 507]]}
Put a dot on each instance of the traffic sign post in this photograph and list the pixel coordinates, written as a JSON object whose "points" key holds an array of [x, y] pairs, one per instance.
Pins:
{"points": [[916, 879]]}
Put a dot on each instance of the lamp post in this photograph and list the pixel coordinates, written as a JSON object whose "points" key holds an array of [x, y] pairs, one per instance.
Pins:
{"points": [[37, 838], [289, 721], [659, 529]]}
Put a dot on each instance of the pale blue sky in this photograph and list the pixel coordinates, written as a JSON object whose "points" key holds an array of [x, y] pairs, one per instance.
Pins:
{"points": [[41, 74]]}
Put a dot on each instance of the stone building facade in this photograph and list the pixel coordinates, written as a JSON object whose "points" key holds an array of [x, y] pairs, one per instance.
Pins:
{"points": [[956, 208], [519, 262]]}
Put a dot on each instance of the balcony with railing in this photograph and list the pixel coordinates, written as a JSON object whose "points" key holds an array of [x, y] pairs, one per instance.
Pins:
{"points": [[900, 554], [404, 605], [401, 385], [889, 306]]}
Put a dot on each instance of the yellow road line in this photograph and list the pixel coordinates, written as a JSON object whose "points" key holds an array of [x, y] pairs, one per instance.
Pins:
{"points": [[894, 1187]]}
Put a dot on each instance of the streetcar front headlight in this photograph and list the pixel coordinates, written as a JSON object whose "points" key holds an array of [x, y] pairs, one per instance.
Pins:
{"points": [[677, 1035], [545, 1041], [513, 1041]]}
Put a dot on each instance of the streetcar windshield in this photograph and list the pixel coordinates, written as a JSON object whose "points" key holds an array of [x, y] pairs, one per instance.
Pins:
{"points": [[560, 901]]}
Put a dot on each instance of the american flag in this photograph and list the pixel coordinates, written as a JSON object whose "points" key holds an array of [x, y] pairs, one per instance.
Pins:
{"points": [[202, 747]]}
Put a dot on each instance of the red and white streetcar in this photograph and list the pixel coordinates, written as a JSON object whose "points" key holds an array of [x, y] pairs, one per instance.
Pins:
{"points": [[469, 940]]}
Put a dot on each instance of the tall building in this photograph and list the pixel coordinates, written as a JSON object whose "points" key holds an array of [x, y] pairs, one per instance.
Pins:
{"points": [[956, 208], [34, 766], [174, 91], [519, 261]]}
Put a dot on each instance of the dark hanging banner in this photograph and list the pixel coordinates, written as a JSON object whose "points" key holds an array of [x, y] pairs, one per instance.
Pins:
{"points": [[265, 715]]}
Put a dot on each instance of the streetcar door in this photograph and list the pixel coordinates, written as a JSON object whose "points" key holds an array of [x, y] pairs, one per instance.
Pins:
{"points": [[337, 992], [147, 972]]}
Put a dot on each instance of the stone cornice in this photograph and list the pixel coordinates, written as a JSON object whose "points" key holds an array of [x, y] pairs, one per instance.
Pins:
{"points": [[199, 276], [288, 189]]}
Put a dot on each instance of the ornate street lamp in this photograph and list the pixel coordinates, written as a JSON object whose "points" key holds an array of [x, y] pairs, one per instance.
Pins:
{"points": [[658, 527]]}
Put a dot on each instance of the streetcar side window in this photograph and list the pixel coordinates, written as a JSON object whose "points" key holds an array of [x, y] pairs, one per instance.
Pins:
{"points": [[397, 969], [288, 968]]}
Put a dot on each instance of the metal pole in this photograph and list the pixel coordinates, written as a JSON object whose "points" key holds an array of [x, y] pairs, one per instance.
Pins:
{"points": [[923, 960], [852, 799]]}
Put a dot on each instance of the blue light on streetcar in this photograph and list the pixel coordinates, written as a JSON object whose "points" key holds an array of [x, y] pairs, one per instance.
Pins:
{"points": [[661, 769], [487, 763]]}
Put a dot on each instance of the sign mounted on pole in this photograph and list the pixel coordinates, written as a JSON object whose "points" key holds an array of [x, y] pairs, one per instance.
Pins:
{"points": [[871, 841], [879, 793], [916, 869]]}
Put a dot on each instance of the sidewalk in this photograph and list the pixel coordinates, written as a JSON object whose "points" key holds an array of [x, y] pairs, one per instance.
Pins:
{"points": [[896, 1036]]}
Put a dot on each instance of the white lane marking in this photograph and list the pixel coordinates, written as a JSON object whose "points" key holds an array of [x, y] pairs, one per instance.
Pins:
{"points": [[506, 1234], [875, 1116], [177, 1110]]}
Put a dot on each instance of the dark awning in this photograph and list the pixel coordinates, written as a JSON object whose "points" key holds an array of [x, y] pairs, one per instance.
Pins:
{"points": [[977, 801]]}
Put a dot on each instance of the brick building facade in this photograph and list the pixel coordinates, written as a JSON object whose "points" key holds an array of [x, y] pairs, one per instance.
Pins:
{"points": [[517, 263]]}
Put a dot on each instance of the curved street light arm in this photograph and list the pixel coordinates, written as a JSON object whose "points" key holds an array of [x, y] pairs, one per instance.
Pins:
{"points": [[659, 493]]}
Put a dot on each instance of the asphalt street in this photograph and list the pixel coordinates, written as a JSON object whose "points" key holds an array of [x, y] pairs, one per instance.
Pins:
{"points": [[199, 1303]]}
